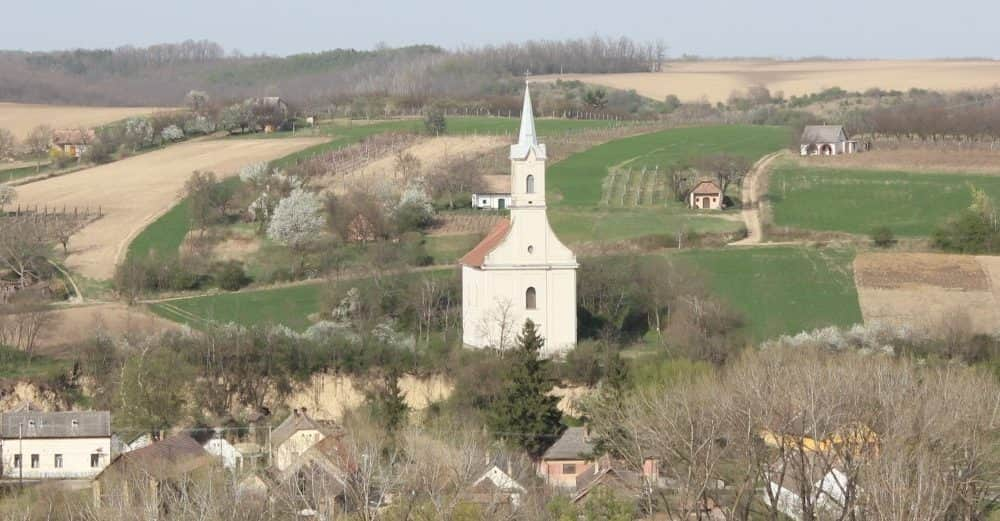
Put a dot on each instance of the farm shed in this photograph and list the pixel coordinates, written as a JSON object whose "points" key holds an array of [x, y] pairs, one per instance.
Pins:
{"points": [[494, 195], [72, 142], [706, 195], [826, 140]]}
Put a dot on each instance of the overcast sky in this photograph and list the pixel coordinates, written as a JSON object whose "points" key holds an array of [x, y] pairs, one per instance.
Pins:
{"points": [[779, 28]]}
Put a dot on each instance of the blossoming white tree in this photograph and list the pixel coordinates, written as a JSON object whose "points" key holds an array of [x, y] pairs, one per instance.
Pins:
{"points": [[297, 220]]}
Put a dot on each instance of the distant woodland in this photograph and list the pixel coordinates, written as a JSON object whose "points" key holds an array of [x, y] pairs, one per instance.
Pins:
{"points": [[160, 75]]}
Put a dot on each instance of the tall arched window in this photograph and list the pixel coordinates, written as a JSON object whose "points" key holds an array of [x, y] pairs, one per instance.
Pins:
{"points": [[530, 184], [529, 298]]}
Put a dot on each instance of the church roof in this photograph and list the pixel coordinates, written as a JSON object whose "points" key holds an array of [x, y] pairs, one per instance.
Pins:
{"points": [[527, 138], [477, 255]]}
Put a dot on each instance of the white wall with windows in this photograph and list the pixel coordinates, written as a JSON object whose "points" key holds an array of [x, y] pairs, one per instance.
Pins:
{"points": [[48, 458]]}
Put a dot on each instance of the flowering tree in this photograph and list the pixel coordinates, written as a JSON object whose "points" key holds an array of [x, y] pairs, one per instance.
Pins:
{"points": [[199, 125], [7, 195], [172, 133], [7, 143], [138, 132], [297, 220]]}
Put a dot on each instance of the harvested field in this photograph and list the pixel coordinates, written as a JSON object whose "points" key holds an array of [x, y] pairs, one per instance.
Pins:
{"points": [[20, 118], [922, 290], [902, 270], [75, 326], [716, 80], [134, 192], [429, 152], [929, 160]]}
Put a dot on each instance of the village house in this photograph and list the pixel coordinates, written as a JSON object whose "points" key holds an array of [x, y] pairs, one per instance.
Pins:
{"points": [[826, 140], [143, 475], [54, 445], [234, 456], [706, 195], [494, 194], [496, 488], [521, 271], [274, 109], [570, 456], [72, 142], [294, 436]]}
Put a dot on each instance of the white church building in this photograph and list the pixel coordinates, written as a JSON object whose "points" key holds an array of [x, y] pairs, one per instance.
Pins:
{"points": [[521, 270]]}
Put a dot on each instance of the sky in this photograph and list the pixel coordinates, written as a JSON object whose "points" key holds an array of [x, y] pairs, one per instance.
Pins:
{"points": [[715, 28]]}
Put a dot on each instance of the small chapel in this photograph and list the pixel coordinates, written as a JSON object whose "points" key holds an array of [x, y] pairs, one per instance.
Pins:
{"points": [[521, 270]]}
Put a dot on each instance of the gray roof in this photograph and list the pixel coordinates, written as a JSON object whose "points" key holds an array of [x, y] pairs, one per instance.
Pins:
{"points": [[824, 134], [572, 445], [28, 423], [297, 421]]}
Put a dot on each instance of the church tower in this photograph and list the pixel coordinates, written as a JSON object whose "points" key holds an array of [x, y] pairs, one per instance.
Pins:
{"points": [[521, 270]]}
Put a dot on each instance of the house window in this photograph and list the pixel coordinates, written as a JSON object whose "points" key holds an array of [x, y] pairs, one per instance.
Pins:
{"points": [[34, 461], [569, 468], [17, 461], [58, 461], [531, 249], [529, 298], [530, 184], [95, 460]]}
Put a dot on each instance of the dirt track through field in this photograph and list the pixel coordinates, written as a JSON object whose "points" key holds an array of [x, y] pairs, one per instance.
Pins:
{"points": [[754, 185], [134, 192], [20, 118], [716, 80]]}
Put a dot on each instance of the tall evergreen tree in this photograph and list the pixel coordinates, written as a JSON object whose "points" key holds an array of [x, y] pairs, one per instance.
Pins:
{"points": [[388, 403], [524, 413]]}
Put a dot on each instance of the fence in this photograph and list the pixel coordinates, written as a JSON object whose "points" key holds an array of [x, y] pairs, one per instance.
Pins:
{"points": [[77, 212]]}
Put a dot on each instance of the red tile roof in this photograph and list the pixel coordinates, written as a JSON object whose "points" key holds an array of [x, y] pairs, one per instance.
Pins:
{"points": [[706, 188], [477, 255]]}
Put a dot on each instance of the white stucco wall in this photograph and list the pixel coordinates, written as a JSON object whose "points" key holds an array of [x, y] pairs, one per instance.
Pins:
{"points": [[286, 453], [530, 256], [490, 201], [75, 452]]}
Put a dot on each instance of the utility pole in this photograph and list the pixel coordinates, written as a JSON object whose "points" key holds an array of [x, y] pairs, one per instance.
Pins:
{"points": [[20, 454]]}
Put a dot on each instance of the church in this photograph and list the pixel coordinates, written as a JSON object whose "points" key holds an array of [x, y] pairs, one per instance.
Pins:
{"points": [[521, 270]]}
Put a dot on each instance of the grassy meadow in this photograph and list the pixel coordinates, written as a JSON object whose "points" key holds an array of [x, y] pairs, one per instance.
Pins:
{"points": [[781, 290], [855, 201], [291, 305]]}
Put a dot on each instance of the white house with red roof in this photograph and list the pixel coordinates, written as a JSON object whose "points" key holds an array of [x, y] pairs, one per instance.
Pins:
{"points": [[521, 270]]}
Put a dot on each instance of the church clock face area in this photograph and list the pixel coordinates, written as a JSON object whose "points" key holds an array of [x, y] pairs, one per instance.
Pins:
{"points": [[521, 270]]}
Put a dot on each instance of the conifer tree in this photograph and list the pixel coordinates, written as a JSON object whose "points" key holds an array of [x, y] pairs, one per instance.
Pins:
{"points": [[388, 403], [524, 413]]}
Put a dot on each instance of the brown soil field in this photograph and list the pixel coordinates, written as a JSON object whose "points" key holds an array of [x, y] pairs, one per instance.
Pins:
{"points": [[136, 191], [73, 326], [922, 290], [429, 152], [20, 118], [716, 80], [972, 161], [462, 224]]}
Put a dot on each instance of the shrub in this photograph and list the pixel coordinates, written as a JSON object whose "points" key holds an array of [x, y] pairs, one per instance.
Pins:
{"points": [[230, 276], [883, 237], [966, 233], [172, 133], [434, 121]]}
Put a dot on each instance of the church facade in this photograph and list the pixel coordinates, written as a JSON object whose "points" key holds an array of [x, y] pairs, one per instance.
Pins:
{"points": [[521, 270]]}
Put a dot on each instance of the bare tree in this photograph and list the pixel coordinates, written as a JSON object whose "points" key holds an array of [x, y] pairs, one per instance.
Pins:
{"points": [[24, 246], [726, 168], [498, 325], [38, 142]]}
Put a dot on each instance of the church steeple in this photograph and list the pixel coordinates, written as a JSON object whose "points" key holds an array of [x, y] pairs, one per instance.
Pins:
{"points": [[527, 138], [527, 134]]}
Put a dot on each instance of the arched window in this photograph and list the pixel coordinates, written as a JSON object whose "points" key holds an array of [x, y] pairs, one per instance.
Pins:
{"points": [[529, 184], [529, 298]]}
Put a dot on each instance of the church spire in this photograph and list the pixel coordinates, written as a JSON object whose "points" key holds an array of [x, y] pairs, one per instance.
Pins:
{"points": [[527, 135], [527, 138]]}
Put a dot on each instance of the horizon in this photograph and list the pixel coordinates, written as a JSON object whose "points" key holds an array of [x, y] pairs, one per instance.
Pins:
{"points": [[709, 30]]}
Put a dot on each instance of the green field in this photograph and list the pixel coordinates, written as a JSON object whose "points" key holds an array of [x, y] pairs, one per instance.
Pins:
{"points": [[290, 305], [855, 201], [614, 224], [782, 290], [578, 180]]}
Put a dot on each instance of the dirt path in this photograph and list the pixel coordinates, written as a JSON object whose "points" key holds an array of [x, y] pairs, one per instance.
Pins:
{"points": [[753, 189], [134, 192]]}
